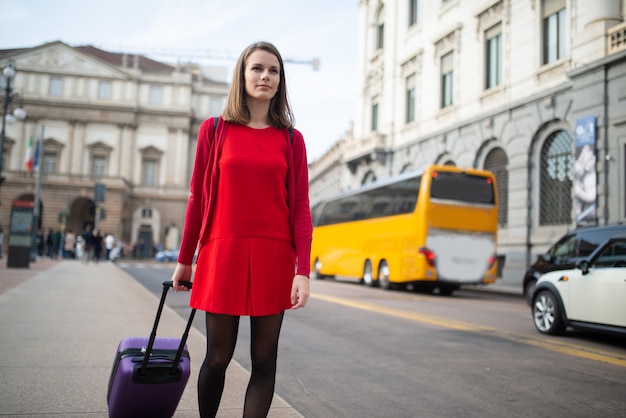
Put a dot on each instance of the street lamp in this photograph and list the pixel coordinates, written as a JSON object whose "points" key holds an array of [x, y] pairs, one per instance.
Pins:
{"points": [[8, 74]]}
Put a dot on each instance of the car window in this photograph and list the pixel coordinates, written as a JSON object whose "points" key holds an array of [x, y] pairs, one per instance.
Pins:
{"points": [[612, 256], [590, 240]]}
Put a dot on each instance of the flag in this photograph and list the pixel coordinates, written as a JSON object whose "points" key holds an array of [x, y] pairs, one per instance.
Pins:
{"points": [[37, 155], [29, 155]]}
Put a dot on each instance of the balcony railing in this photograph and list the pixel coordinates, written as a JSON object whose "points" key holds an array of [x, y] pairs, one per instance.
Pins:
{"points": [[616, 39], [355, 150]]}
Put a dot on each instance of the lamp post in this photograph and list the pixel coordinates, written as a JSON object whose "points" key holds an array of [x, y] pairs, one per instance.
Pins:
{"points": [[8, 74]]}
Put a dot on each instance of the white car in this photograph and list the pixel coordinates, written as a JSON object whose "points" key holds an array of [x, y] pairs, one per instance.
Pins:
{"points": [[591, 296]]}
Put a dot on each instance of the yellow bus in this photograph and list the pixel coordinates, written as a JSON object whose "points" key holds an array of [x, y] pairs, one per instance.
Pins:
{"points": [[434, 228]]}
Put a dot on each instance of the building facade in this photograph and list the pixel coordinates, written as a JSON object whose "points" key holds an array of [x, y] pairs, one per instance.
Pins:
{"points": [[534, 90], [124, 122]]}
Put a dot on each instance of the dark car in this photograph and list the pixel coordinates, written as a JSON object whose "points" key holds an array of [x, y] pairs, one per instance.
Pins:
{"points": [[574, 246]]}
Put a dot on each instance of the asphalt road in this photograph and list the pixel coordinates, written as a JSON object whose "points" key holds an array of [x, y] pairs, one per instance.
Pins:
{"points": [[361, 352]]}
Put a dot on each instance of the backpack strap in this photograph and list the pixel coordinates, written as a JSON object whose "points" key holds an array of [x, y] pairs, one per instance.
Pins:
{"points": [[216, 120], [291, 135]]}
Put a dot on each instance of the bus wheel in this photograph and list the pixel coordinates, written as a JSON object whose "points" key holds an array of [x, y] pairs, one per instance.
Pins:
{"points": [[447, 290], [383, 276], [368, 276]]}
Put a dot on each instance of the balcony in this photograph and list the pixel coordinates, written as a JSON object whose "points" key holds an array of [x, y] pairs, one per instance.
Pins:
{"points": [[616, 39], [367, 149]]}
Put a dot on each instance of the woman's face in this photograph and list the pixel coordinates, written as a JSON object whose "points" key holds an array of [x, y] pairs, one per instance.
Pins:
{"points": [[262, 75]]}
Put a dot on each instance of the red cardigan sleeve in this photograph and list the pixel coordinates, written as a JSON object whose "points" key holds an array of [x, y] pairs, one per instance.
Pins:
{"points": [[302, 222], [193, 216]]}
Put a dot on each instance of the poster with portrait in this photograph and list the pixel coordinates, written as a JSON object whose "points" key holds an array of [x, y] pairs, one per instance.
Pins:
{"points": [[585, 182]]}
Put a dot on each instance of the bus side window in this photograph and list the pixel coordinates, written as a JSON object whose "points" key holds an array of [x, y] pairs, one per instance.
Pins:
{"points": [[389, 200], [406, 206], [316, 212], [380, 209]]}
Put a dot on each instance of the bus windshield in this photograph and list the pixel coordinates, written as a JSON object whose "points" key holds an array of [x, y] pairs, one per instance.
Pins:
{"points": [[461, 187]]}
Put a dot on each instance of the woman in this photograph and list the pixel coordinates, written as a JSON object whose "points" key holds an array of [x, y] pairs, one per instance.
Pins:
{"points": [[248, 214]]}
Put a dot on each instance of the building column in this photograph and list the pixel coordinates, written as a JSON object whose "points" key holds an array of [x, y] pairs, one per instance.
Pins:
{"points": [[606, 13], [77, 152], [593, 19], [127, 151], [175, 158], [66, 166]]}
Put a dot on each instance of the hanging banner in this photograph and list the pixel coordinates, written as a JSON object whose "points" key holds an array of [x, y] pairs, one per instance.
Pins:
{"points": [[585, 184]]}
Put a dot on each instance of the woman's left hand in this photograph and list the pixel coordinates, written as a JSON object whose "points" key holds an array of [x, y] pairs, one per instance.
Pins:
{"points": [[300, 291]]}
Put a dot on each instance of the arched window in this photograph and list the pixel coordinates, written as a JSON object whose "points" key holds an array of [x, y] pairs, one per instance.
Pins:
{"points": [[380, 28], [555, 197], [497, 162], [369, 177]]}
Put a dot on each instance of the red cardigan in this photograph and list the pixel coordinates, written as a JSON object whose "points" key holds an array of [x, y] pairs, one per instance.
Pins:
{"points": [[203, 188]]}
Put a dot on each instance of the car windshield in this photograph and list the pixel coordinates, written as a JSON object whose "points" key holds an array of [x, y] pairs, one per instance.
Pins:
{"points": [[565, 247]]}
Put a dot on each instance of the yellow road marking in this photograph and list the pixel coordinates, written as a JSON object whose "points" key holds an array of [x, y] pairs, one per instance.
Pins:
{"points": [[556, 346]]}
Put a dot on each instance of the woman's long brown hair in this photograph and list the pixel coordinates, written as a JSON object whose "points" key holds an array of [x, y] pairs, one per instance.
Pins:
{"points": [[236, 110]]}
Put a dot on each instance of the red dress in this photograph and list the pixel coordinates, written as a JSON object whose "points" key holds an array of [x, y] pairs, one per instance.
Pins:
{"points": [[246, 267]]}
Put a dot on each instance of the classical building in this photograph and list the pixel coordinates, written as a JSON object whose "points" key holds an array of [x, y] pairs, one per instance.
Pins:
{"points": [[534, 90], [124, 122]]}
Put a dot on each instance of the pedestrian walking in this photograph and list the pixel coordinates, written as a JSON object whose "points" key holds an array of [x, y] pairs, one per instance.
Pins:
{"points": [[49, 243], [56, 244], [88, 242], [249, 214], [68, 244], [98, 245], [1, 242], [109, 243], [41, 243]]}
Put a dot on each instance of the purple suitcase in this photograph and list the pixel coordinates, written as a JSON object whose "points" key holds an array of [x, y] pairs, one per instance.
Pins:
{"points": [[149, 385]]}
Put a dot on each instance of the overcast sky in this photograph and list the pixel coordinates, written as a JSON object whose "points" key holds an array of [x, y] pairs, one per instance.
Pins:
{"points": [[323, 101]]}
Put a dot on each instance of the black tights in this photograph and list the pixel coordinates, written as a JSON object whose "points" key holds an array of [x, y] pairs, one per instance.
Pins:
{"points": [[221, 331]]}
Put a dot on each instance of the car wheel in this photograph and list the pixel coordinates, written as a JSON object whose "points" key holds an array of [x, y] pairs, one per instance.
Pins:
{"points": [[383, 276], [529, 290], [368, 276], [547, 315]]}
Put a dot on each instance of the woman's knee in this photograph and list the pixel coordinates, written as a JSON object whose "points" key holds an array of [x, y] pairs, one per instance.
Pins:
{"points": [[217, 361], [264, 360]]}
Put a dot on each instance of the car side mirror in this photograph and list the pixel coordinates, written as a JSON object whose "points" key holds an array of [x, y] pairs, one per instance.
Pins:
{"points": [[583, 265], [546, 257]]}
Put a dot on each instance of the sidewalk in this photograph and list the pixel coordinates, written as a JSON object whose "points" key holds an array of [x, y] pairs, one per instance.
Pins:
{"points": [[61, 323], [498, 287]]}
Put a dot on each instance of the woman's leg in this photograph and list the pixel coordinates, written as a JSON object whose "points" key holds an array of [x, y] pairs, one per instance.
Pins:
{"points": [[264, 333], [221, 331]]}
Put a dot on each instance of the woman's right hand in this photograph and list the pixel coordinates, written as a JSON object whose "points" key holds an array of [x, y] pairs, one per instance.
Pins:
{"points": [[182, 272]]}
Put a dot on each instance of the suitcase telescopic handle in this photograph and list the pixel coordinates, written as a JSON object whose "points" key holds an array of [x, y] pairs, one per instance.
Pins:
{"points": [[144, 365], [169, 283]]}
